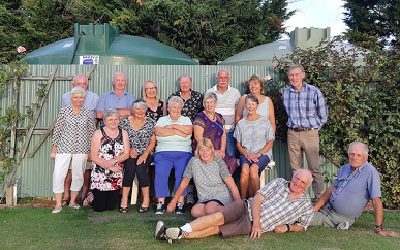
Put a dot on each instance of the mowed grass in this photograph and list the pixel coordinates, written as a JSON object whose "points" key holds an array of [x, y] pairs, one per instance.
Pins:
{"points": [[37, 228]]}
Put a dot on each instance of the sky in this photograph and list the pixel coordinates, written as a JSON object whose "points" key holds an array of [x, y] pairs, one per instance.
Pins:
{"points": [[317, 14]]}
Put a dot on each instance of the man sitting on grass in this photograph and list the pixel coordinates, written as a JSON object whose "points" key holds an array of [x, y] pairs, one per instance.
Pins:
{"points": [[280, 206], [356, 183]]}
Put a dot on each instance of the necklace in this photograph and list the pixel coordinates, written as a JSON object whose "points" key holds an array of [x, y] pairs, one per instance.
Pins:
{"points": [[212, 118]]}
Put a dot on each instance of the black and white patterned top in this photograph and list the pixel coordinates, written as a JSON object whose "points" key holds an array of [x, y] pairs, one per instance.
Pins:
{"points": [[155, 115], [193, 105], [139, 140], [72, 134]]}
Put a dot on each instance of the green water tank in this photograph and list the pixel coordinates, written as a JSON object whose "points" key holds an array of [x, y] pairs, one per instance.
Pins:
{"points": [[103, 44]]}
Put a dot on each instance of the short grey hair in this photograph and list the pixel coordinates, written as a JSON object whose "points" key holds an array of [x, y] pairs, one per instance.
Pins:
{"points": [[184, 76], [111, 112], [120, 73], [296, 66], [77, 90], [140, 103], [252, 98], [75, 78], [175, 99], [363, 146], [209, 95], [223, 70]]}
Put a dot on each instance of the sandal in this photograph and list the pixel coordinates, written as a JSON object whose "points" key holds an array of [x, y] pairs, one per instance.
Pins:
{"points": [[87, 201], [143, 209], [64, 203], [123, 210]]}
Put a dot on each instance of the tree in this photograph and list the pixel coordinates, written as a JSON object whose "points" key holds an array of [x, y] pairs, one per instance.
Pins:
{"points": [[363, 103], [207, 30], [211, 30], [373, 20]]}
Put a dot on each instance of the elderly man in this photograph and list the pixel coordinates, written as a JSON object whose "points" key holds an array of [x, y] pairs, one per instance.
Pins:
{"points": [[117, 99], [228, 98], [307, 112], [91, 100], [279, 206], [356, 183], [193, 100]]}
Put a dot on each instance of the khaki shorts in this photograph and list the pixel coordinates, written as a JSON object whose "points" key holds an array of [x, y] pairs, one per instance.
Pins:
{"points": [[236, 219]]}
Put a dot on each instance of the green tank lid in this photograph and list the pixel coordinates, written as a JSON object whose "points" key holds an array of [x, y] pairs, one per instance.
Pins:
{"points": [[103, 44]]}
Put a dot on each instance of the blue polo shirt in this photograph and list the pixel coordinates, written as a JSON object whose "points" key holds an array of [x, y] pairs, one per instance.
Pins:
{"points": [[354, 188], [110, 100]]}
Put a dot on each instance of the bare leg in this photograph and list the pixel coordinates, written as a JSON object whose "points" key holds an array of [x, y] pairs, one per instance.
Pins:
{"points": [[58, 197], [254, 180], [74, 195], [212, 207], [212, 220], [86, 182], [67, 185], [244, 180], [125, 194], [146, 196], [202, 234], [198, 210]]}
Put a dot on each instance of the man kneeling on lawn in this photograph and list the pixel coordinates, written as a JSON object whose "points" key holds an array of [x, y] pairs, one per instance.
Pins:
{"points": [[356, 183], [280, 206]]}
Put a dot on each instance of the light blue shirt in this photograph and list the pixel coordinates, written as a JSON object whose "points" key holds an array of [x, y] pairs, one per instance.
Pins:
{"points": [[173, 142], [354, 188], [110, 100], [91, 100]]}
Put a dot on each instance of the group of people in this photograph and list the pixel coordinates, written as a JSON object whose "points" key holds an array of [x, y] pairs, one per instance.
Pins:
{"points": [[219, 127]]}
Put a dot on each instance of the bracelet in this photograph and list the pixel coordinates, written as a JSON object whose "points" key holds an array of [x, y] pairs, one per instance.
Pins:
{"points": [[287, 227]]}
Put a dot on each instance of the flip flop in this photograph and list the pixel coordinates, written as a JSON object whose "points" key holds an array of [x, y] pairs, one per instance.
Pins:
{"points": [[87, 201], [123, 210]]}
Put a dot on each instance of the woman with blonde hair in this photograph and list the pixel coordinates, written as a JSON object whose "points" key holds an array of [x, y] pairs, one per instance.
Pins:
{"points": [[155, 107], [255, 86], [215, 186]]}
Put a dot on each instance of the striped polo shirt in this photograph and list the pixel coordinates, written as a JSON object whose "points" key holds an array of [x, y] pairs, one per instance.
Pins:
{"points": [[226, 105]]}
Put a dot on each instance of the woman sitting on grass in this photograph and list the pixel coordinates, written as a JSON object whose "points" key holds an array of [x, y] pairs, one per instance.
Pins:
{"points": [[215, 186]]}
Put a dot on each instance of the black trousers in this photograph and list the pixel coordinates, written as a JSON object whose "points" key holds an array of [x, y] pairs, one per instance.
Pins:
{"points": [[105, 200], [141, 170]]}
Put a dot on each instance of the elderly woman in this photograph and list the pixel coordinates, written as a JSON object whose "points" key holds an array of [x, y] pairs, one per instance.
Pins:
{"points": [[156, 107], [71, 144], [215, 186], [255, 138], [110, 148], [209, 124], [173, 150], [255, 86], [140, 130]]}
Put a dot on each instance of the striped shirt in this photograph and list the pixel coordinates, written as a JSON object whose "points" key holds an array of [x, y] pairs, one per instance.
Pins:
{"points": [[305, 109], [277, 209], [72, 134], [226, 105]]}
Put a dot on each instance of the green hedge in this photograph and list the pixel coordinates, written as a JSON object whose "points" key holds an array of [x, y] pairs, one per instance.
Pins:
{"points": [[362, 91]]}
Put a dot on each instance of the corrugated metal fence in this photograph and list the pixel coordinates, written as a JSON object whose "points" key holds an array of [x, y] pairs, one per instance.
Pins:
{"points": [[35, 174]]}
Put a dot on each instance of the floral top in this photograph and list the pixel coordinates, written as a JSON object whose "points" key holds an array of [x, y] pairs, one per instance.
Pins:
{"points": [[139, 140], [191, 106], [155, 115], [72, 133], [110, 148]]}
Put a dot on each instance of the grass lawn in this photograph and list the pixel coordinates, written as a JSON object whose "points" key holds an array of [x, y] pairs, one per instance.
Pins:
{"points": [[37, 228]]}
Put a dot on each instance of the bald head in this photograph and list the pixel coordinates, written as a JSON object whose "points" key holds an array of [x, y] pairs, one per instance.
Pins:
{"points": [[305, 175]]}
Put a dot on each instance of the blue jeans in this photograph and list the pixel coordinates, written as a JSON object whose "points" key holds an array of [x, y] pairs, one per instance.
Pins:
{"points": [[231, 147]]}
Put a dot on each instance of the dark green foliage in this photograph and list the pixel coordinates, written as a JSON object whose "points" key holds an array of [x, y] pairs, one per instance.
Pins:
{"points": [[207, 30], [364, 105], [373, 22]]}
